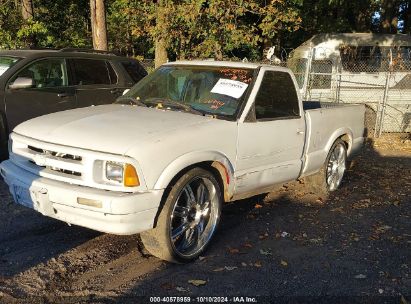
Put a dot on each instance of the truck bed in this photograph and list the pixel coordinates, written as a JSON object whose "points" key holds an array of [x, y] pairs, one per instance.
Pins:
{"points": [[326, 121]]}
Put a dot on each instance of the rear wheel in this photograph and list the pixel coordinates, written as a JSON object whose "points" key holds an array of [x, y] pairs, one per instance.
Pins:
{"points": [[331, 174], [188, 219]]}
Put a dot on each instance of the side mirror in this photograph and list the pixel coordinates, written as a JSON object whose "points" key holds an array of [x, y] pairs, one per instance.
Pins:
{"points": [[22, 83], [125, 91]]}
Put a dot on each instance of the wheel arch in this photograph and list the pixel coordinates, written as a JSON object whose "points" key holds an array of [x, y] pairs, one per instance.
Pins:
{"points": [[345, 134], [213, 161]]}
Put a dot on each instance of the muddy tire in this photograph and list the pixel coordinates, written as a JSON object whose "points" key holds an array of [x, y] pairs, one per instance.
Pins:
{"points": [[188, 219], [329, 178]]}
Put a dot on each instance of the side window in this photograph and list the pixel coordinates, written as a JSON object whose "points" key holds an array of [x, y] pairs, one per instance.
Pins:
{"points": [[46, 73], [277, 97], [93, 71], [133, 69]]}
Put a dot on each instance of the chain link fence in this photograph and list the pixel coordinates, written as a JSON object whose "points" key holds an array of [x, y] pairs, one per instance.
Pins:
{"points": [[381, 81]]}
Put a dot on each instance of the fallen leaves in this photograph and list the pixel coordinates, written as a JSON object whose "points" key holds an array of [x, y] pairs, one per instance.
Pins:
{"points": [[360, 276], [197, 282], [362, 204], [167, 286], [284, 234], [266, 252], [258, 264], [181, 289], [233, 250], [228, 268]]}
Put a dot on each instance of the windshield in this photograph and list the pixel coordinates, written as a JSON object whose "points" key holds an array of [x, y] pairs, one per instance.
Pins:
{"points": [[6, 63], [204, 89]]}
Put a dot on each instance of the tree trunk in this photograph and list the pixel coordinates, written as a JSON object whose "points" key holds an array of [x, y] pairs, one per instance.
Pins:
{"points": [[98, 25], [161, 52], [27, 14], [160, 42], [27, 9]]}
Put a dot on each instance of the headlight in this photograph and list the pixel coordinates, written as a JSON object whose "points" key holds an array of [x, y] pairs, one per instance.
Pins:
{"points": [[122, 173], [114, 171]]}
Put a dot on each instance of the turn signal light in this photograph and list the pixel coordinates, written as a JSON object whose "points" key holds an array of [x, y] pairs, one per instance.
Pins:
{"points": [[130, 176]]}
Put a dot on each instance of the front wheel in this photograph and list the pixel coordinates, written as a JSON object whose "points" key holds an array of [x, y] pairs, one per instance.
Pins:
{"points": [[188, 220]]}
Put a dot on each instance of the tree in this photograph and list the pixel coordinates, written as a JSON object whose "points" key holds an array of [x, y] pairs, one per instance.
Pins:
{"points": [[160, 43], [98, 24], [27, 9], [389, 16]]}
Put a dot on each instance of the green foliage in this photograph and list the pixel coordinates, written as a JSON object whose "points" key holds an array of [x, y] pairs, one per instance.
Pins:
{"points": [[10, 22], [216, 28], [195, 28], [34, 30]]}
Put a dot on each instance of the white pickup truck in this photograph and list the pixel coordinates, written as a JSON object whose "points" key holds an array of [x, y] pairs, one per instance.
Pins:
{"points": [[164, 158]]}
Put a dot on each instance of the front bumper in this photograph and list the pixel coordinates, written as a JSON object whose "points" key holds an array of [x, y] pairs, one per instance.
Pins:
{"points": [[102, 210]]}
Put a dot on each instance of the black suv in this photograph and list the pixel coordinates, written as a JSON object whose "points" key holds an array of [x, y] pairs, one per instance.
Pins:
{"points": [[37, 82]]}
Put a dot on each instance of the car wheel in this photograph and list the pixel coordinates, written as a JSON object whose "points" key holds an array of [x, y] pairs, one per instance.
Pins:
{"points": [[188, 220], [329, 178]]}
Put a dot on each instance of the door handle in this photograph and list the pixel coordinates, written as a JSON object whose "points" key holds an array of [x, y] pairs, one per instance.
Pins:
{"points": [[115, 91], [65, 94], [299, 132]]}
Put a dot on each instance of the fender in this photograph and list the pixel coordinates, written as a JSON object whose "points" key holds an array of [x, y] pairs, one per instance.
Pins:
{"points": [[314, 164], [347, 136], [219, 160]]}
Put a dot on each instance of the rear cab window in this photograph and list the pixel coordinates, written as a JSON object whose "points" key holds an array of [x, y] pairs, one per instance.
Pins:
{"points": [[93, 72]]}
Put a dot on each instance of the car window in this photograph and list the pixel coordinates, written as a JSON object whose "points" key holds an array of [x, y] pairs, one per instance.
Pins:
{"points": [[277, 97], [46, 73], [6, 63], [133, 69], [93, 71]]}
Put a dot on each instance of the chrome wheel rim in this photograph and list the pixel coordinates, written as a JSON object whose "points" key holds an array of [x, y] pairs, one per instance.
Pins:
{"points": [[336, 167], [194, 217]]}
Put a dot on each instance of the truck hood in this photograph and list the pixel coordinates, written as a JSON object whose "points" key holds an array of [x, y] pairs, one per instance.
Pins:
{"points": [[107, 128]]}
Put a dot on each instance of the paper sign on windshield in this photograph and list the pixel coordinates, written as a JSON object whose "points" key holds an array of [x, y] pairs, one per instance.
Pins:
{"points": [[229, 87]]}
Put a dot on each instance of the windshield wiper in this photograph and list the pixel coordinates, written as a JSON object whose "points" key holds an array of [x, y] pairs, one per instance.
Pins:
{"points": [[130, 101], [172, 103]]}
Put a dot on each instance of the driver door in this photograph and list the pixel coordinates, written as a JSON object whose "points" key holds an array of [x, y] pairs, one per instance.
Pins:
{"points": [[271, 136]]}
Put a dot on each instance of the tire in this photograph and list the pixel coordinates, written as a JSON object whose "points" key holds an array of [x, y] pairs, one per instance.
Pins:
{"points": [[188, 220], [329, 178]]}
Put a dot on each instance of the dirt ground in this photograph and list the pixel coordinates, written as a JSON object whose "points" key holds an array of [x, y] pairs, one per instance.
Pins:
{"points": [[288, 246]]}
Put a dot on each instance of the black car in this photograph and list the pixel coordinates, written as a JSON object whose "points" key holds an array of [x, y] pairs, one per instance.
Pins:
{"points": [[38, 82]]}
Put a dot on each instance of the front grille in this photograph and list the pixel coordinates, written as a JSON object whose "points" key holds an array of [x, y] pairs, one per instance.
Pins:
{"points": [[64, 163], [59, 160], [56, 154]]}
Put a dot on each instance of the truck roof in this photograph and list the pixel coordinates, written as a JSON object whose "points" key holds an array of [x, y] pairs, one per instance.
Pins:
{"points": [[230, 64]]}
